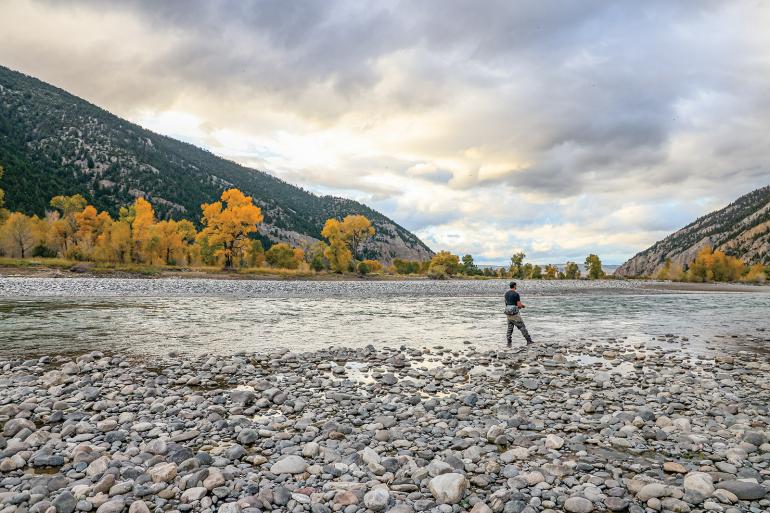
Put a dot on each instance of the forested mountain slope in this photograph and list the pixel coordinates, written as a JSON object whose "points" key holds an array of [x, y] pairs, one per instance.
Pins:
{"points": [[741, 229], [52, 143]]}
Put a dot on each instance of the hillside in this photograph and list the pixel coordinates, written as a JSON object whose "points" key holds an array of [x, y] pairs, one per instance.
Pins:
{"points": [[52, 142], [741, 229]]}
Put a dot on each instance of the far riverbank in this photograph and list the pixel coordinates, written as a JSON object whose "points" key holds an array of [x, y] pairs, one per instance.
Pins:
{"points": [[58, 268]]}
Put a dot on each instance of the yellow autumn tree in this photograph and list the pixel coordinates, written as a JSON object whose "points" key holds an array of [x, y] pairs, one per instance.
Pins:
{"points": [[755, 274], [90, 226], [17, 235], [337, 252], [374, 266], [228, 227], [357, 229], [142, 218], [62, 232], [170, 241], [449, 263], [714, 266]]}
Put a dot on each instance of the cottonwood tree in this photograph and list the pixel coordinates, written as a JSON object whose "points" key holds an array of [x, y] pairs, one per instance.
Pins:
{"points": [[594, 267], [357, 229], [337, 252], [63, 229], [571, 271], [517, 265], [228, 226], [17, 235], [445, 259]]}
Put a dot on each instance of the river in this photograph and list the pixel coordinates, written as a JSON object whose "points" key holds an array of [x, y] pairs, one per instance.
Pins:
{"points": [[157, 316]]}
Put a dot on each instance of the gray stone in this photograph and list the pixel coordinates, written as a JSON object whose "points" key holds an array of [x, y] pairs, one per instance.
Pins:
{"points": [[744, 490], [448, 488], [291, 464], [578, 505]]}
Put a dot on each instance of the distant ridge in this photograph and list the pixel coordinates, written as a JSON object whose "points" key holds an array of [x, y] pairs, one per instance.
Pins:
{"points": [[741, 229], [52, 142]]}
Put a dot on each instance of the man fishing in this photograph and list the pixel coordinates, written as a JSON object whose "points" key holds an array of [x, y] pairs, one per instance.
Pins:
{"points": [[513, 305]]}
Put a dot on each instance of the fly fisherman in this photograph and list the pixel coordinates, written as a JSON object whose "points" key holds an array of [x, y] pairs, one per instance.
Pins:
{"points": [[512, 306]]}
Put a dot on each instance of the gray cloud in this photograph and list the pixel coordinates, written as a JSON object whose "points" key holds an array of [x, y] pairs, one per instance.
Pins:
{"points": [[612, 106]]}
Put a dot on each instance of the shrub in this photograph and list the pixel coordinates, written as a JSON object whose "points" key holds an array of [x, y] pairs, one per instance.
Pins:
{"points": [[437, 272]]}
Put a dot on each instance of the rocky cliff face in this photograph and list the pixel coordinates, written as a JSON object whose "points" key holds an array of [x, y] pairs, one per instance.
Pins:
{"points": [[52, 143], [740, 229]]}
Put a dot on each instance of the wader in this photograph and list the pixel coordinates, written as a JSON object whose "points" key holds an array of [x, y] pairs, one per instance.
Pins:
{"points": [[517, 321]]}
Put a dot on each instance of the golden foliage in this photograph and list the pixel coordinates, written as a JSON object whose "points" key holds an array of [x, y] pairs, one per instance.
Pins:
{"points": [[449, 263], [227, 227], [356, 229], [374, 266], [17, 235], [337, 252], [714, 266], [755, 274]]}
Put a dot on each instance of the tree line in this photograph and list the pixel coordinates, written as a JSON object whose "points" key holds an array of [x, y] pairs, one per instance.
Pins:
{"points": [[445, 264], [74, 230]]}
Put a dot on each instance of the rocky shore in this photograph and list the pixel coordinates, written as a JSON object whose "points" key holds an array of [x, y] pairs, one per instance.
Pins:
{"points": [[615, 428]]}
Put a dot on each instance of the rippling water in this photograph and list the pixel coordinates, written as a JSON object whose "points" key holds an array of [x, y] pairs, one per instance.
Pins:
{"points": [[39, 315]]}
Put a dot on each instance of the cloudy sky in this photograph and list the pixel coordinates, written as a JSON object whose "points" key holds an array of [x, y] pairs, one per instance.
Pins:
{"points": [[558, 128]]}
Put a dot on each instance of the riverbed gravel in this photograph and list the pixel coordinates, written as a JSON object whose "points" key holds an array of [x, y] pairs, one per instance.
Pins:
{"points": [[550, 428]]}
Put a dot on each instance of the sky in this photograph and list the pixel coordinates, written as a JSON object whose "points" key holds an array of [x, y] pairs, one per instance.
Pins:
{"points": [[486, 127]]}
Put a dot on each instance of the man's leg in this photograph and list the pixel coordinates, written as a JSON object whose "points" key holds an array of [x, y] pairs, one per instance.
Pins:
{"points": [[509, 333], [523, 329]]}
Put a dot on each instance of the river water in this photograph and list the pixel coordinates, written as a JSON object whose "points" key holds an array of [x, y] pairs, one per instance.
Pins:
{"points": [[154, 317]]}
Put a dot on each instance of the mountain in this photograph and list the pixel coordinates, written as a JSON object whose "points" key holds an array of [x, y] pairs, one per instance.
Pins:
{"points": [[52, 143], [741, 229]]}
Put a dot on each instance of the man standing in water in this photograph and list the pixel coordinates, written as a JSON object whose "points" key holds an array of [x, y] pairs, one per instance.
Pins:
{"points": [[512, 306]]}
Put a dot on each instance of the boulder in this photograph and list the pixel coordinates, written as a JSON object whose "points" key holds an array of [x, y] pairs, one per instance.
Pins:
{"points": [[448, 488]]}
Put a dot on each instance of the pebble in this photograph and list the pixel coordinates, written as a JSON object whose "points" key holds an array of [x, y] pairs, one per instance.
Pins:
{"points": [[388, 430]]}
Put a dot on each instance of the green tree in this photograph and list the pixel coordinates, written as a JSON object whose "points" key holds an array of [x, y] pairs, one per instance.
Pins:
{"points": [[256, 253], [406, 266], [537, 273], [594, 267], [551, 272], [517, 265], [571, 271], [283, 256], [469, 268]]}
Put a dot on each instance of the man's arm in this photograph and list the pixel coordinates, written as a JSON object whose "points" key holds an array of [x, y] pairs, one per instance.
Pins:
{"points": [[519, 304]]}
